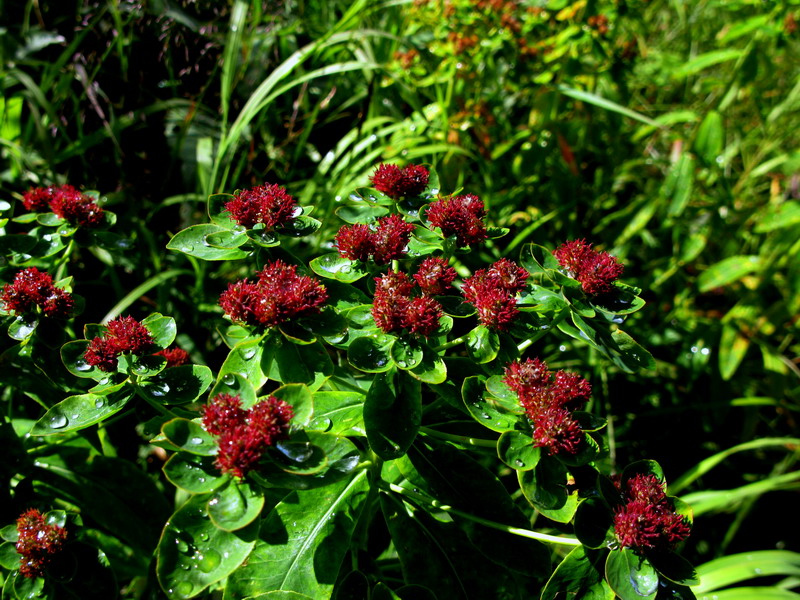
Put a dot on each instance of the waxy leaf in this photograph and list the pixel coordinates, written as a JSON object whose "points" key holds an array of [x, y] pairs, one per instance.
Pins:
{"points": [[516, 449], [194, 241], [371, 353], [246, 360], [336, 266], [581, 576], [193, 553], [432, 369], [482, 344], [339, 413], [190, 437], [72, 357], [235, 385], [291, 363], [235, 506], [163, 329], [298, 396], [303, 541], [79, 412], [631, 576], [392, 414], [178, 385], [494, 413], [406, 353], [193, 473]]}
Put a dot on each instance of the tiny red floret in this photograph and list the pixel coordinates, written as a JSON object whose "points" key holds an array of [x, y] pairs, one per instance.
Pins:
{"points": [[76, 208], [268, 204], [548, 400], [37, 542], [647, 520], [597, 271], [124, 335], [38, 199], [423, 315], [176, 357], [493, 292], [244, 435], [391, 239], [31, 288], [355, 242], [279, 295], [434, 276], [396, 182], [461, 216]]}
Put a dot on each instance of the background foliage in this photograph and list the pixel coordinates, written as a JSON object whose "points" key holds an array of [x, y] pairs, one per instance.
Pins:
{"points": [[664, 132]]}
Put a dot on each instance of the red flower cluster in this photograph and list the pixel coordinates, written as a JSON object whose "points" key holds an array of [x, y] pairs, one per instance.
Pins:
{"points": [[124, 335], [549, 401], [268, 204], [386, 243], [396, 182], [37, 542], [32, 287], [279, 294], [493, 293], [244, 435], [647, 519], [461, 216], [66, 202], [176, 357], [395, 309], [596, 271], [434, 276]]}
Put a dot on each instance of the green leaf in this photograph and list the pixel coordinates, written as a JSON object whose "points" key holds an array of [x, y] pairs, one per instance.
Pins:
{"points": [[673, 567], [497, 414], [432, 369], [79, 412], [178, 385], [751, 593], [406, 353], [193, 473], [190, 539], [72, 357], [594, 524], [736, 568], [300, 226], [298, 396], [245, 360], [226, 240], [631, 576], [235, 506], [142, 366], [264, 238], [292, 363], [9, 557], [545, 488], [163, 329], [190, 437], [605, 104], [392, 414], [299, 455], [336, 266], [516, 449], [632, 355], [779, 216], [303, 541], [339, 413], [727, 271], [361, 213], [371, 353], [482, 344], [194, 242], [580, 576], [22, 328], [710, 138], [679, 183], [732, 349], [705, 60]]}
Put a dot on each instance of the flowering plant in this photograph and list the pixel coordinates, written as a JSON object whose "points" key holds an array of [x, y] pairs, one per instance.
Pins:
{"points": [[349, 385]]}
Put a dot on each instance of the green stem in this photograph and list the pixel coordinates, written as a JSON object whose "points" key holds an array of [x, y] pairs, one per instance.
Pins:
{"points": [[459, 439], [535, 535], [61, 264], [451, 343], [523, 345]]}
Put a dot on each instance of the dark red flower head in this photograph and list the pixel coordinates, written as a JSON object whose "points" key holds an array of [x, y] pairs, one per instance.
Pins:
{"points": [[124, 335], [355, 242], [434, 276], [37, 542], [383, 244], [38, 199], [596, 271], [279, 295], [493, 292], [76, 208], [548, 400], [31, 288], [244, 435], [396, 182], [268, 204], [394, 308], [647, 520], [176, 357], [461, 216]]}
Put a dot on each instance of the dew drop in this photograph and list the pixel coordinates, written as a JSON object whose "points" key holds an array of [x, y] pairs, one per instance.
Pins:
{"points": [[519, 463], [228, 379], [209, 561], [184, 589], [58, 421], [99, 403], [82, 366], [159, 390], [196, 441], [249, 353], [187, 248], [203, 536]]}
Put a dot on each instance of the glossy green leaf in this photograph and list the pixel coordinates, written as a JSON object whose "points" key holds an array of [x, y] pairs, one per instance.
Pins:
{"points": [[594, 523], [516, 449], [235, 385], [545, 488], [727, 271], [235, 506], [751, 593], [335, 266], [227, 239], [300, 226], [406, 353], [245, 359], [679, 184], [303, 541], [710, 138], [299, 456], [292, 363], [9, 557], [494, 413], [190, 539], [72, 357], [264, 238], [361, 213], [631, 354], [339, 413], [736, 568], [79, 412], [22, 328], [482, 344], [631, 576], [163, 329], [673, 567], [432, 369], [178, 385], [141, 366], [193, 241], [193, 473], [298, 396], [581, 575], [190, 437], [392, 414], [371, 353]]}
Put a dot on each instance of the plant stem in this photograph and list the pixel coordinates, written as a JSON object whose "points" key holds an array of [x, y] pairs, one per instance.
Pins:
{"points": [[459, 439], [542, 537], [451, 343]]}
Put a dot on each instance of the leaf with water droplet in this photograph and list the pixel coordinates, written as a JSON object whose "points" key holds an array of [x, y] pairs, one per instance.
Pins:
{"points": [[214, 553], [503, 414], [516, 449], [335, 266], [178, 385], [235, 385], [72, 357], [79, 412], [235, 506], [190, 437], [193, 473], [392, 413]]}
